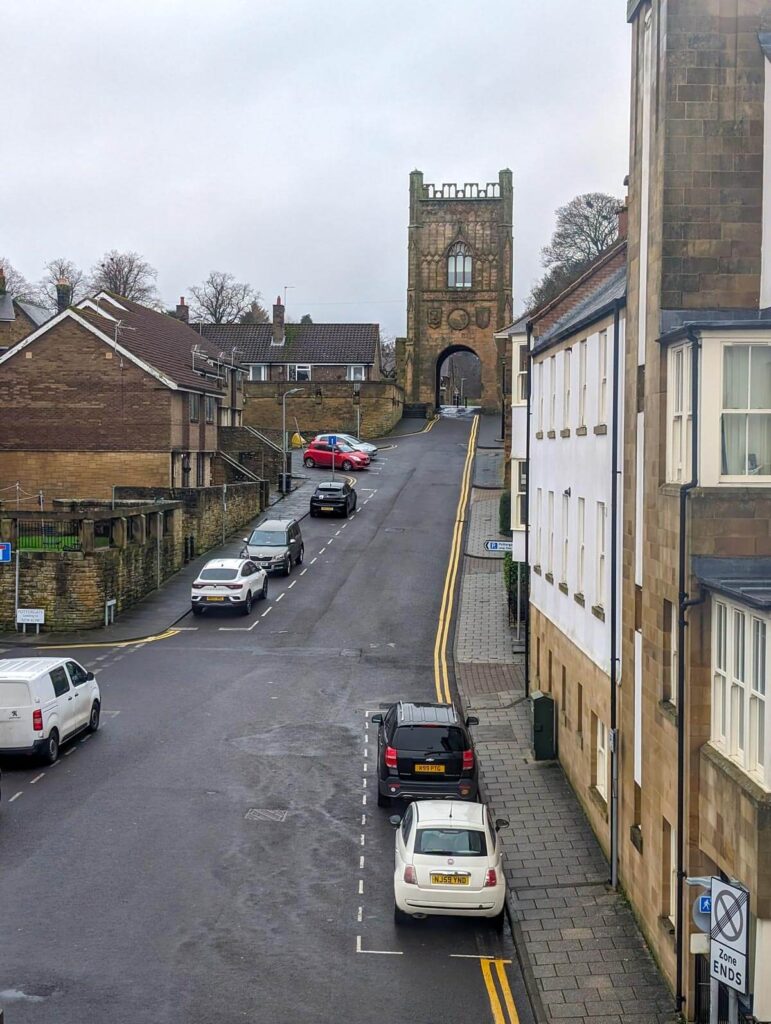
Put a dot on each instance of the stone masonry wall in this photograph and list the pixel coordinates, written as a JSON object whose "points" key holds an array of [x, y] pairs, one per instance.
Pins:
{"points": [[64, 474], [380, 406]]}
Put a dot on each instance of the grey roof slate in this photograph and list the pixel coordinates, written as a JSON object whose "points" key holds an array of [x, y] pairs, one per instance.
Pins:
{"points": [[305, 343], [612, 289], [744, 579], [7, 311], [518, 327], [673, 320], [37, 314]]}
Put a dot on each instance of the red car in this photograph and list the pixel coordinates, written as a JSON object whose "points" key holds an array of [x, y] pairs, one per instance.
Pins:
{"points": [[319, 453]]}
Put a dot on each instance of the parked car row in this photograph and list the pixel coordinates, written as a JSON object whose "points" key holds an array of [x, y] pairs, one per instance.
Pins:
{"points": [[448, 859], [339, 451]]}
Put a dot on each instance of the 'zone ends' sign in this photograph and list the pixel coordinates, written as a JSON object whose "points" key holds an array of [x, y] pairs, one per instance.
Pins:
{"points": [[729, 934]]}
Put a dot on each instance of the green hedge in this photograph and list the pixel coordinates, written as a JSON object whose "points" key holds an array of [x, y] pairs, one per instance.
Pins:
{"points": [[504, 513]]}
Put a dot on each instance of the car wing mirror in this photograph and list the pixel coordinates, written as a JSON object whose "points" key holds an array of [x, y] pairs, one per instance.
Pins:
{"points": [[501, 823], [472, 720], [245, 540], [395, 820], [89, 676], [376, 719]]}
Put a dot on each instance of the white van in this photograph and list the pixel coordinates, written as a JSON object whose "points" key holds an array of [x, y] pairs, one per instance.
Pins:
{"points": [[43, 702]]}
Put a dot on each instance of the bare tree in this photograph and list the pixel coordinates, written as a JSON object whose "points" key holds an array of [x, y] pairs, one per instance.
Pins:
{"points": [[16, 283], [306, 319], [127, 274], [255, 314], [58, 270], [585, 228], [221, 299]]}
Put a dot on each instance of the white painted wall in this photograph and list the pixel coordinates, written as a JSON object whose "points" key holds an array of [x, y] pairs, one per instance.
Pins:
{"points": [[765, 263], [518, 445], [582, 464]]}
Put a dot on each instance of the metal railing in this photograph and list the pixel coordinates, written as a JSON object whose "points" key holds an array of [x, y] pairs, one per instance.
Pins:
{"points": [[49, 534]]}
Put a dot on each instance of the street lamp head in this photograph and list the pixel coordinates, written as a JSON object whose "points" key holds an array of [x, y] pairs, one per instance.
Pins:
{"points": [[293, 391]]}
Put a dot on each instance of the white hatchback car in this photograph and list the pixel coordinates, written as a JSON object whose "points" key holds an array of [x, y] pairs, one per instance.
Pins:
{"points": [[229, 583], [448, 861]]}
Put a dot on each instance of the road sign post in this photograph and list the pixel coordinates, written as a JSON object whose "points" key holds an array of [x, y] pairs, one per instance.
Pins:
{"points": [[729, 935], [332, 442]]}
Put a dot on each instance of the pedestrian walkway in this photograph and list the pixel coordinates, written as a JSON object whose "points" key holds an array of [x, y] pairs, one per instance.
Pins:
{"points": [[485, 524], [581, 952], [164, 607]]}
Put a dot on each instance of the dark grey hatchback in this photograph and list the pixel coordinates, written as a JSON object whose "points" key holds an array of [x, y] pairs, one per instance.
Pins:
{"points": [[424, 750]]}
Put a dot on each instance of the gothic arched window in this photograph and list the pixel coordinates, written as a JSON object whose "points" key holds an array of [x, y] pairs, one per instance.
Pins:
{"points": [[459, 266]]}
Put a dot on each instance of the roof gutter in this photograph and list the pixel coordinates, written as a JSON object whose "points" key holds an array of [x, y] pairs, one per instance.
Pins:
{"points": [[598, 314]]}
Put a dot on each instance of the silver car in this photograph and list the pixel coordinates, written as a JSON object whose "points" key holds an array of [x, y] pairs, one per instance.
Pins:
{"points": [[276, 545], [352, 442]]}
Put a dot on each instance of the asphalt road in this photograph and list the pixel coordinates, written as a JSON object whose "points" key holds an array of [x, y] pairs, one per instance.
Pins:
{"points": [[215, 853]]}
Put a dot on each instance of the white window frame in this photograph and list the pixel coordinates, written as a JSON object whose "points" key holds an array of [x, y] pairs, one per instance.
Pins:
{"points": [[679, 413], [746, 413], [566, 360], [258, 371], [540, 397], [741, 714], [295, 369], [599, 588], [601, 758], [550, 533], [582, 348], [581, 546], [602, 377], [672, 909], [519, 478], [565, 538], [520, 392], [538, 526], [552, 392], [356, 371]]}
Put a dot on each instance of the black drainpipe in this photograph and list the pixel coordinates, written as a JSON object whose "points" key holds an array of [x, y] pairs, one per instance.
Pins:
{"points": [[683, 604], [615, 471], [527, 506]]}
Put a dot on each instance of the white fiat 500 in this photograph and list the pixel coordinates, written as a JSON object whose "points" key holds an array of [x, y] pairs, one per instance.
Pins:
{"points": [[229, 583], [448, 861]]}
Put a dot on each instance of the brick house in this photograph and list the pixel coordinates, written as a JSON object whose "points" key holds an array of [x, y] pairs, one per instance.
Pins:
{"points": [[113, 393], [17, 317]]}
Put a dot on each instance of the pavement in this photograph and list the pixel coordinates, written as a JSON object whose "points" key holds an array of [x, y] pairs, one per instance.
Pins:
{"points": [[581, 953]]}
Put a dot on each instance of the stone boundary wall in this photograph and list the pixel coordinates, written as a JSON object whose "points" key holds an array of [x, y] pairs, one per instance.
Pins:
{"points": [[324, 406]]}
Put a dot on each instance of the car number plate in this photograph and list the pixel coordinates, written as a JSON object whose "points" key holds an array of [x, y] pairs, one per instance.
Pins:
{"points": [[327, 508], [215, 598], [437, 879], [430, 769]]}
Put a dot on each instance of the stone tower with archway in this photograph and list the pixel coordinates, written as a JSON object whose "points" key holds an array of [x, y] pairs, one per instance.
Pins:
{"points": [[458, 285]]}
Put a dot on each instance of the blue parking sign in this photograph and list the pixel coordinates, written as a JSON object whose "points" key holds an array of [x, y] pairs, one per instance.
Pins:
{"points": [[5, 552], [332, 439]]}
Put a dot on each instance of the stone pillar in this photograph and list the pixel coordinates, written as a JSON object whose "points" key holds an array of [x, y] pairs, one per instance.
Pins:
{"points": [[87, 536], [119, 532]]}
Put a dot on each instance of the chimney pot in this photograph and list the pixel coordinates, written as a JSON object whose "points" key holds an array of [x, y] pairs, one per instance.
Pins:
{"points": [[63, 294], [183, 311], [623, 220], [278, 323]]}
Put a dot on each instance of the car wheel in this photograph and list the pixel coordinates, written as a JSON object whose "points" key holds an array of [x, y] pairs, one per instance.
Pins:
{"points": [[197, 609], [51, 752], [347, 511], [383, 801], [400, 917], [93, 718], [310, 463], [288, 566], [247, 609], [265, 589], [301, 555], [347, 466], [497, 921], [313, 513]]}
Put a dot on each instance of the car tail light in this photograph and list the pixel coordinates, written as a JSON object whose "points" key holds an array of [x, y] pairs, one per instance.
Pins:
{"points": [[412, 878], [468, 760], [390, 757], [37, 720], [491, 878], [198, 586], [233, 586]]}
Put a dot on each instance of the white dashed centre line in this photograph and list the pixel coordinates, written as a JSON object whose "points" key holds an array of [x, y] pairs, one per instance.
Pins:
{"points": [[344, 527], [361, 887], [266, 612], [280, 598], [337, 534], [305, 570], [15, 796], [321, 552], [70, 752], [361, 861], [292, 584], [313, 560], [361, 839], [358, 915], [36, 779]]}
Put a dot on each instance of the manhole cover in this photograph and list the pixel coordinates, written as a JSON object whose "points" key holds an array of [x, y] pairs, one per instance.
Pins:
{"points": [[265, 814]]}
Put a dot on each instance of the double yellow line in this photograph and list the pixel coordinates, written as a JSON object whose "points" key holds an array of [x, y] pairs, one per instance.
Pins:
{"points": [[166, 635], [441, 675], [501, 1003]]}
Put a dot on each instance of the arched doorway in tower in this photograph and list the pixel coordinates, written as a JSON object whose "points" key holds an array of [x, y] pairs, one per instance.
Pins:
{"points": [[458, 377]]}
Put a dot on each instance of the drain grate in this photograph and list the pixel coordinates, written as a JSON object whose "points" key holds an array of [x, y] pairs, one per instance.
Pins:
{"points": [[265, 814]]}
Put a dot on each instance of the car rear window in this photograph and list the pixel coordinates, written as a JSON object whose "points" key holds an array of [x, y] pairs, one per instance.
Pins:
{"points": [[457, 842], [14, 694], [331, 487], [218, 574], [426, 739]]}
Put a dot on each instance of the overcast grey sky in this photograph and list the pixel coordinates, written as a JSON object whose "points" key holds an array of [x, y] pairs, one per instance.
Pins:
{"points": [[275, 139]]}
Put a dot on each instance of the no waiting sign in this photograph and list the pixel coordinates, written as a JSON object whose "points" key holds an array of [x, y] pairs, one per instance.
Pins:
{"points": [[729, 934]]}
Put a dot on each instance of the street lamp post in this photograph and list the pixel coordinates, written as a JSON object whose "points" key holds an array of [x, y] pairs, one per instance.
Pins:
{"points": [[285, 472]]}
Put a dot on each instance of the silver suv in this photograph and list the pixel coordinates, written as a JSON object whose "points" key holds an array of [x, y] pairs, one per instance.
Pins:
{"points": [[276, 545]]}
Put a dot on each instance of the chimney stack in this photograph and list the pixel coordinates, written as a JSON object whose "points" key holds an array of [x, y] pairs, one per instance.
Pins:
{"points": [[623, 220], [183, 311], [2, 282], [278, 322], [63, 294]]}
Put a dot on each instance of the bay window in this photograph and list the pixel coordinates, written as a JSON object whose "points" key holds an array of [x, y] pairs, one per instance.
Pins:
{"points": [[520, 394], [519, 475], [679, 418], [745, 422]]}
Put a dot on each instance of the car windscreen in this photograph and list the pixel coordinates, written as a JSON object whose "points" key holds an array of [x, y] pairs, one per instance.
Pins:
{"points": [[268, 538], [13, 694], [218, 574], [429, 739], [451, 842]]}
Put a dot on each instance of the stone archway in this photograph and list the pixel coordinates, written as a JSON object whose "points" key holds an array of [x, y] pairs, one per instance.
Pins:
{"points": [[445, 389]]}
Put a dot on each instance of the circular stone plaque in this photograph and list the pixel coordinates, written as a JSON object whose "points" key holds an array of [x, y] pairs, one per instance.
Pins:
{"points": [[458, 319]]}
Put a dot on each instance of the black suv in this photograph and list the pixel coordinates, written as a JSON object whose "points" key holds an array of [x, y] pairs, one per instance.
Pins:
{"points": [[424, 750]]}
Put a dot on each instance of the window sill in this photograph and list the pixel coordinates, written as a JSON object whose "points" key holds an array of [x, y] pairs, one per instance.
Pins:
{"points": [[565, 432], [668, 710], [598, 612], [636, 837], [752, 788], [598, 800], [551, 433], [539, 435], [549, 577], [563, 587], [601, 428], [581, 431], [537, 569], [666, 927], [580, 599]]}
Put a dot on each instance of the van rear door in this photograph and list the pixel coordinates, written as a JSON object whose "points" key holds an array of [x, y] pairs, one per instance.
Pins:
{"points": [[15, 715]]}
